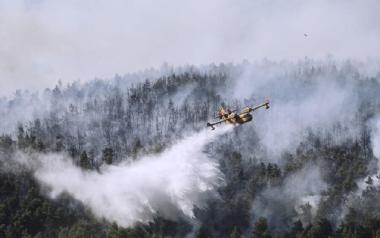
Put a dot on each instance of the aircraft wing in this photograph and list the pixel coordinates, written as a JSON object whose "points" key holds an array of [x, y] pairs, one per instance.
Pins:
{"points": [[265, 104], [216, 123]]}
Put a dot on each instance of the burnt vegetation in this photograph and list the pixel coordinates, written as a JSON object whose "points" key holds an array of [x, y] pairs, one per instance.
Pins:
{"points": [[105, 122]]}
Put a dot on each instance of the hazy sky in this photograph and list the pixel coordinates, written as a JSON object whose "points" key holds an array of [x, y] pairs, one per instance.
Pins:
{"points": [[43, 41]]}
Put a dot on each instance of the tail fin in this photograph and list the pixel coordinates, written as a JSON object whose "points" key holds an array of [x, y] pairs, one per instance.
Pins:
{"points": [[221, 112]]}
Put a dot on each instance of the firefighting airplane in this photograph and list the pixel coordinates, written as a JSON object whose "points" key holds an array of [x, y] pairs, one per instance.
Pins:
{"points": [[231, 117]]}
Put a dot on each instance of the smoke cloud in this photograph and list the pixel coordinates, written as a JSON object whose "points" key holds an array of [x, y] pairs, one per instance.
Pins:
{"points": [[301, 188], [299, 104], [376, 142], [373, 179], [170, 184], [44, 41]]}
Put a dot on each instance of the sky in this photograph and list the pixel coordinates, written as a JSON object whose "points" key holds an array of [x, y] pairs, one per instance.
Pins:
{"points": [[45, 41]]}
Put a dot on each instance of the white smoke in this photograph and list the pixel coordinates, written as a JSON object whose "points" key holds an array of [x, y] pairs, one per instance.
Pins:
{"points": [[376, 143], [297, 107], [170, 184], [305, 187], [372, 179], [43, 41]]}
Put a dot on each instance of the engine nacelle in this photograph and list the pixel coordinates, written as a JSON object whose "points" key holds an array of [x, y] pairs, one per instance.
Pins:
{"points": [[246, 110]]}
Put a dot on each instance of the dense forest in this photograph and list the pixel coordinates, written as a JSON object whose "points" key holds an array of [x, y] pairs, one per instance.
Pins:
{"points": [[307, 167]]}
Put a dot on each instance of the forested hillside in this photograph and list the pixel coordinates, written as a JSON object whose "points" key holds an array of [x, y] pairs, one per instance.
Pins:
{"points": [[307, 167]]}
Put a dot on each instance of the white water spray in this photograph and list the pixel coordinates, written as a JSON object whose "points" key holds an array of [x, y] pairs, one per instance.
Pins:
{"points": [[170, 184]]}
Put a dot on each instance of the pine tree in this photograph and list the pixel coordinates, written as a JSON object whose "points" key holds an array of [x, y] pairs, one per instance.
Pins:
{"points": [[108, 155], [84, 161], [260, 229]]}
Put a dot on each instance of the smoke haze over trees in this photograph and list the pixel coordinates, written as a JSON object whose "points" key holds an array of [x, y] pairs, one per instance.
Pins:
{"points": [[132, 158], [44, 41]]}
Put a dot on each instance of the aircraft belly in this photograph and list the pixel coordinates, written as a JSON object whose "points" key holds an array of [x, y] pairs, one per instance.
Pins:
{"points": [[245, 118], [233, 120]]}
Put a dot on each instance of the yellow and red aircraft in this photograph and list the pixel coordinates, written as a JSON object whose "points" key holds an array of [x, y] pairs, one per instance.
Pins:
{"points": [[232, 117]]}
